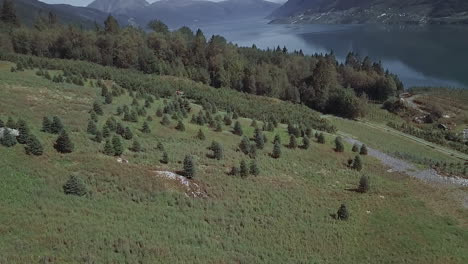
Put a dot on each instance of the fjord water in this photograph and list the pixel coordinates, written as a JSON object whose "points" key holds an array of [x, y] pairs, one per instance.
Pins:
{"points": [[433, 55]]}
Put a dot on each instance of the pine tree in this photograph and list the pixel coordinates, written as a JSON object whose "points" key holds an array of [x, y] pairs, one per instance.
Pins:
{"points": [[165, 121], [321, 138], [119, 111], [189, 167], [34, 146], [63, 144], [253, 151], [74, 186], [93, 116], [217, 150], [339, 146], [92, 128], [244, 145], [292, 142], [146, 129], [238, 129], [108, 99], [276, 150], [56, 127], [234, 171], [254, 168], [97, 108], [136, 146], [128, 134], [355, 147], [357, 164], [363, 150], [23, 130], [219, 127], [308, 132], [364, 184], [98, 137], [277, 139], [1, 123], [201, 135], [342, 213], [108, 148], [254, 123], [244, 170], [104, 91], [8, 13], [106, 132], [259, 138], [119, 129], [160, 146], [180, 126], [111, 124], [11, 123], [227, 120], [305, 143], [117, 146], [165, 158], [8, 140], [159, 112]]}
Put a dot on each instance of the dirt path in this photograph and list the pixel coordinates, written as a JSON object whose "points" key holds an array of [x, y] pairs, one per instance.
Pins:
{"points": [[399, 165]]}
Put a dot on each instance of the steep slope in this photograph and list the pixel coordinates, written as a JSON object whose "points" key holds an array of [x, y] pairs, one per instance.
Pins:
{"points": [[29, 10], [186, 12], [372, 11]]}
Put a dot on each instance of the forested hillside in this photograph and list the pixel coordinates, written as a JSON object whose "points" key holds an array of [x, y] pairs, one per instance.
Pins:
{"points": [[373, 11], [318, 81]]}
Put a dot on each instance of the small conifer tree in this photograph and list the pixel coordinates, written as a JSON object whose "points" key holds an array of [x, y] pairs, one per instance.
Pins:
{"points": [[363, 150], [74, 186], [259, 138], [306, 143], [56, 127], [146, 129], [92, 128], [108, 99], [254, 170], [217, 150], [321, 138], [189, 167], [159, 112], [34, 146], [364, 184], [244, 145], [108, 148], [136, 146], [165, 158], [342, 213], [227, 120], [97, 108], [117, 146], [63, 144], [98, 137], [244, 170], [219, 127], [357, 164], [165, 121], [254, 123], [292, 142], [201, 135], [355, 147], [11, 123], [23, 130], [180, 126], [276, 151], [277, 139], [234, 171], [238, 129], [339, 146], [106, 132], [8, 140], [128, 134], [160, 146]]}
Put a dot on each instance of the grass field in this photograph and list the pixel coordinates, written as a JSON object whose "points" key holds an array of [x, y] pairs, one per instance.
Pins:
{"points": [[280, 216]]}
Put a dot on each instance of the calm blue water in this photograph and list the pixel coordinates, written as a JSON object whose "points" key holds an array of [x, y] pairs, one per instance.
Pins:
{"points": [[421, 56]]}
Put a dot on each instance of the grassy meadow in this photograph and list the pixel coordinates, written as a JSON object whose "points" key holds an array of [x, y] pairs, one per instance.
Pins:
{"points": [[281, 216]]}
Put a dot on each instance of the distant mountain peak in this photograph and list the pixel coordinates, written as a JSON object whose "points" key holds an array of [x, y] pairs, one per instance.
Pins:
{"points": [[118, 6]]}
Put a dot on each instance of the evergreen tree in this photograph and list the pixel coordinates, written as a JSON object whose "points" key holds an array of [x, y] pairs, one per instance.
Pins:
{"points": [[342, 213], [259, 138], [253, 151], [339, 146], [180, 126], [276, 150], [277, 139], [23, 130], [244, 170], [364, 184], [238, 129], [160, 146], [165, 158], [1, 123], [363, 150], [227, 120], [93, 116], [63, 144], [217, 150], [92, 128], [292, 142], [104, 91], [357, 164], [201, 135], [8, 13], [321, 138], [98, 137], [97, 108], [165, 121], [219, 127], [108, 99], [234, 171], [355, 147], [106, 132], [34, 146], [119, 111], [189, 167], [254, 168], [136, 146], [8, 140], [308, 132], [254, 123], [119, 129], [111, 26], [235, 116], [146, 129], [159, 112], [244, 145], [11, 123], [108, 148], [128, 134], [56, 127], [111, 124], [117, 146], [305, 143], [74, 186]]}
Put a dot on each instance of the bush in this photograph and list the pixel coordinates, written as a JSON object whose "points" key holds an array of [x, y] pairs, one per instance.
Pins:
{"points": [[305, 143], [321, 138], [339, 146], [201, 135], [165, 121], [355, 147], [342, 213], [189, 167], [74, 186], [165, 158], [234, 171], [180, 126], [363, 150]]}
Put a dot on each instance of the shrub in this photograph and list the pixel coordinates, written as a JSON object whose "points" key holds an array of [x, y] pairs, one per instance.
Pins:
{"points": [[136, 146], [355, 147], [342, 213], [74, 186], [165, 158], [165, 121], [321, 138], [201, 135], [363, 150], [146, 129], [339, 146], [234, 171], [180, 126]]}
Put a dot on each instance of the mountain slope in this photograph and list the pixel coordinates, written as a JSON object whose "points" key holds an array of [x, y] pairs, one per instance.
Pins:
{"points": [[372, 11], [29, 10], [185, 12]]}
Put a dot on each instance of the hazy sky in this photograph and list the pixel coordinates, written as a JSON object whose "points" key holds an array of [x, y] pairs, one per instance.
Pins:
{"points": [[86, 2]]}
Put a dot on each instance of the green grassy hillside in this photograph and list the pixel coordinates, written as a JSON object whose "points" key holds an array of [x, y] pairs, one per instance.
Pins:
{"points": [[131, 215]]}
